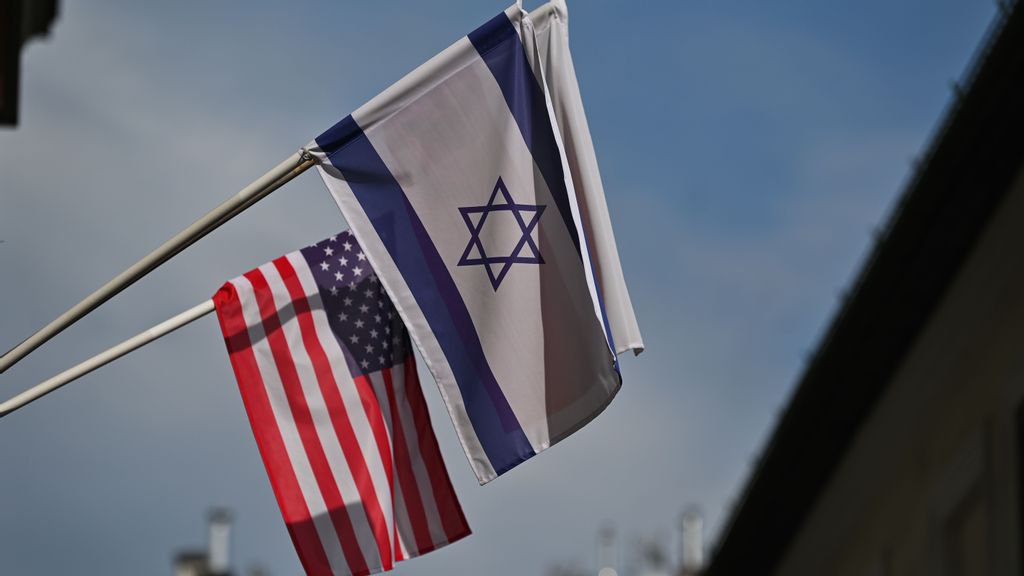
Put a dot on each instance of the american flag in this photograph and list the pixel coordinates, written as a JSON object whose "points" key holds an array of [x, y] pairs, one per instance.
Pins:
{"points": [[327, 376]]}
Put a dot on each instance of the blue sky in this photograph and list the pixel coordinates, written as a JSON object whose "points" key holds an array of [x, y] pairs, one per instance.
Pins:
{"points": [[749, 151]]}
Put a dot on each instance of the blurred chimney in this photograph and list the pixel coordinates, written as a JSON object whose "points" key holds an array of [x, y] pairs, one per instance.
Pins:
{"points": [[607, 552], [219, 546], [691, 526]]}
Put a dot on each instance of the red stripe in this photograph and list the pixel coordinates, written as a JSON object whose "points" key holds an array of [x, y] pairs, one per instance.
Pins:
{"points": [[304, 422], [454, 521], [406, 478], [338, 413], [375, 415], [268, 436]]}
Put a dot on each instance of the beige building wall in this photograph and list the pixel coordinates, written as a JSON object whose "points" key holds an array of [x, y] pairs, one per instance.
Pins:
{"points": [[929, 486]]}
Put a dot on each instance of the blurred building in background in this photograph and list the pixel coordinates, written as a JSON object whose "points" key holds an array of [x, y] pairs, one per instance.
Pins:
{"points": [[901, 449], [20, 21], [691, 549], [682, 555], [215, 560], [607, 551]]}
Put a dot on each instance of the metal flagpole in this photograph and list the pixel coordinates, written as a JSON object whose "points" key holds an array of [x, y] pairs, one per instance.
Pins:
{"points": [[111, 354], [281, 174]]}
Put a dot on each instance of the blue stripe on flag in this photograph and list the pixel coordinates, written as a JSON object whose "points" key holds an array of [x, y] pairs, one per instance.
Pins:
{"points": [[434, 289], [499, 46]]}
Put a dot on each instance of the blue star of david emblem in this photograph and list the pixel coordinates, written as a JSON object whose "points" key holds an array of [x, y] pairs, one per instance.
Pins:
{"points": [[525, 251]]}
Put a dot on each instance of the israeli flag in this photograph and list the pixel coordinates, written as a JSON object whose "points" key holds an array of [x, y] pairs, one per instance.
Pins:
{"points": [[472, 186]]}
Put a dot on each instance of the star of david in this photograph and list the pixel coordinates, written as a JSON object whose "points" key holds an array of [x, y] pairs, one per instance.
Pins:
{"points": [[527, 216]]}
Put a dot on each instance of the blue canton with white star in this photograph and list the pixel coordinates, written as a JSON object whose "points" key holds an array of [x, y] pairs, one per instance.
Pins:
{"points": [[361, 315], [527, 216]]}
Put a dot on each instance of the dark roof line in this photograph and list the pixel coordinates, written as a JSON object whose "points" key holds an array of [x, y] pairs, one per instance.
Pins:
{"points": [[975, 152]]}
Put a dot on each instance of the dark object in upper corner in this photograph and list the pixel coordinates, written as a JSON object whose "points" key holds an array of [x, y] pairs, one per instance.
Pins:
{"points": [[20, 20]]}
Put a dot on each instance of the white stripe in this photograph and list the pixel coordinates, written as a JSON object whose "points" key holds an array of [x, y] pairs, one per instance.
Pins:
{"points": [[289, 432], [401, 514], [349, 394], [419, 467], [329, 441], [380, 391], [406, 537]]}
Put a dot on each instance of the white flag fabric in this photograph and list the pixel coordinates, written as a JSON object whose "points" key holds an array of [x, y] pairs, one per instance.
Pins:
{"points": [[456, 183], [552, 31]]}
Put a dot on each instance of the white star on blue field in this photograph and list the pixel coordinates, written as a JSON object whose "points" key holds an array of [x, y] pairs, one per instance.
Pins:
{"points": [[358, 310], [748, 151]]}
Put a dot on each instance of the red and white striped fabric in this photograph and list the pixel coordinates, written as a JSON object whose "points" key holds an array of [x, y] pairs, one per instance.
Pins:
{"points": [[326, 372]]}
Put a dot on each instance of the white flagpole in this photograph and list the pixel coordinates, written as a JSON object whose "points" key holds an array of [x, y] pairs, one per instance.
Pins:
{"points": [[111, 354], [281, 174]]}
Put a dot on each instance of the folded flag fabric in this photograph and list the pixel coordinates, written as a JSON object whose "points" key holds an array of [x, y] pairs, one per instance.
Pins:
{"points": [[327, 376], [552, 32], [457, 185]]}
